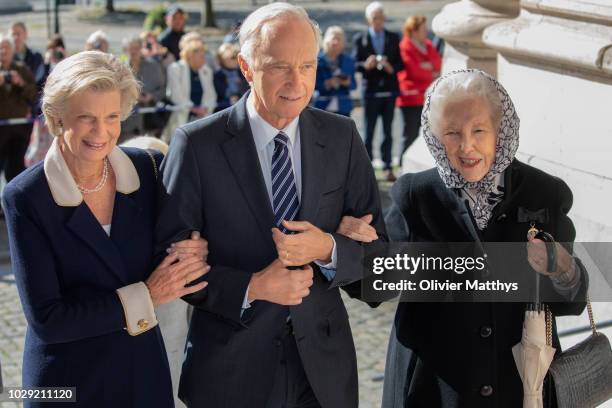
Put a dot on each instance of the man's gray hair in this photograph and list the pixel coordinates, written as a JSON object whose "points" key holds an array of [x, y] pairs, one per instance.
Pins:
{"points": [[97, 36], [251, 29], [8, 39], [372, 8]]}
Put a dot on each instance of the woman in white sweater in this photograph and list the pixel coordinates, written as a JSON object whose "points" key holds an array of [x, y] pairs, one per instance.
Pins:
{"points": [[190, 86]]}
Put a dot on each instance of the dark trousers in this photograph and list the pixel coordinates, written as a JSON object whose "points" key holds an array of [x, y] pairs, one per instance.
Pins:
{"points": [[412, 124], [14, 141], [291, 387], [373, 108]]}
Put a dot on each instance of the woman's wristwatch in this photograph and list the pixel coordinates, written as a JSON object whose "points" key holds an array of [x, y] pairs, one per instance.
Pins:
{"points": [[569, 278]]}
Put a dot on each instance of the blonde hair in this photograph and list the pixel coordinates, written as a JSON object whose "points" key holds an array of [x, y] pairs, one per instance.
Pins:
{"points": [[87, 70], [330, 33], [188, 48], [228, 50], [412, 24], [190, 36], [251, 36]]}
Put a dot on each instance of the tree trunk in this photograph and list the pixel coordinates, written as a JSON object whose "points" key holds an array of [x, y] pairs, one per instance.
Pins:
{"points": [[208, 15], [110, 7]]}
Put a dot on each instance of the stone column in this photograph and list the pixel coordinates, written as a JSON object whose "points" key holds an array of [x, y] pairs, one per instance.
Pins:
{"points": [[555, 60], [461, 25]]}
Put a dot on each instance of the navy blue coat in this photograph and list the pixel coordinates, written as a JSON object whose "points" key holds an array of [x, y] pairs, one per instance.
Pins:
{"points": [[346, 64], [67, 270]]}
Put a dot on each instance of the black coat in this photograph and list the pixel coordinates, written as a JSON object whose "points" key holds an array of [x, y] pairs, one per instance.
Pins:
{"points": [[375, 80], [214, 184], [459, 348]]}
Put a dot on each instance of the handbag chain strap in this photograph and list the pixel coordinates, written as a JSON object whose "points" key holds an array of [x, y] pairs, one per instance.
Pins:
{"points": [[591, 318], [549, 321]]}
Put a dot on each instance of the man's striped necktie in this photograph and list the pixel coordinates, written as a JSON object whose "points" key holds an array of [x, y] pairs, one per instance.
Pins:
{"points": [[285, 199]]}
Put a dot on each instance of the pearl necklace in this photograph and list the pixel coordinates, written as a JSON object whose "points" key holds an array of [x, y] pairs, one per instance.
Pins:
{"points": [[100, 185]]}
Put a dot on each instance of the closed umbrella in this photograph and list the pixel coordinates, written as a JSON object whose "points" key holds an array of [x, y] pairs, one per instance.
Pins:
{"points": [[533, 357]]}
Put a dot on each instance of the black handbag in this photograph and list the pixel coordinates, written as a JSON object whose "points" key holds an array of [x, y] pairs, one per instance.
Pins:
{"points": [[582, 374]]}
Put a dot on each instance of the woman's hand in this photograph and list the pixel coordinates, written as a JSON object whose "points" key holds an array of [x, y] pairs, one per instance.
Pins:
{"points": [[537, 258], [195, 246], [358, 229], [169, 280], [199, 111]]}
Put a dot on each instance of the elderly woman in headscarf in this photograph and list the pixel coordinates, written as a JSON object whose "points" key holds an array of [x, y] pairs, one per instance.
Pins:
{"points": [[460, 354]]}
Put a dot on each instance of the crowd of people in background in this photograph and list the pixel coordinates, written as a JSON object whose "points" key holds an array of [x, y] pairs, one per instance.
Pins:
{"points": [[183, 81]]}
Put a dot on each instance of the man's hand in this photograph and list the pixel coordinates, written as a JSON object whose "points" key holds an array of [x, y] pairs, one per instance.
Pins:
{"points": [[195, 246], [387, 66], [370, 62], [358, 229], [280, 285], [307, 245]]}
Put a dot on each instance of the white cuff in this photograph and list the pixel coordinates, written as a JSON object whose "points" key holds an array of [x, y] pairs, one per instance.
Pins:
{"points": [[137, 308], [334, 257]]}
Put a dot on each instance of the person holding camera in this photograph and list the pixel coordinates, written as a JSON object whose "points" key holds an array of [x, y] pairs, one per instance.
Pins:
{"points": [[335, 74], [377, 57], [17, 93]]}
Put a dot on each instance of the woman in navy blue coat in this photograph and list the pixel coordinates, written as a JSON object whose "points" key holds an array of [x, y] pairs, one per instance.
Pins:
{"points": [[335, 74], [81, 236]]}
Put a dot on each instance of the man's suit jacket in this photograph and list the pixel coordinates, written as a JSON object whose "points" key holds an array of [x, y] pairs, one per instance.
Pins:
{"points": [[375, 80], [213, 183]]}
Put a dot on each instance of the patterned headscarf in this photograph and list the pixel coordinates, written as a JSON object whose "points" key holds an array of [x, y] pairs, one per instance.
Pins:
{"points": [[488, 191]]}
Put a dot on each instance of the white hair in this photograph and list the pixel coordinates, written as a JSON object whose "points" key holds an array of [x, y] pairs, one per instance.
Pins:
{"points": [[87, 70], [8, 39], [372, 8], [330, 33], [97, 36], [251, 29], [464, 85]]}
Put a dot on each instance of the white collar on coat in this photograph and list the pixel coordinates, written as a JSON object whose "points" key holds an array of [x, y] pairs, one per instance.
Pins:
{"points": [[63, 187]]}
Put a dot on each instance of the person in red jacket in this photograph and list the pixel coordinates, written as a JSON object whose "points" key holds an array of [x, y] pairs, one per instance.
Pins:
{"points": [[421, 66]]}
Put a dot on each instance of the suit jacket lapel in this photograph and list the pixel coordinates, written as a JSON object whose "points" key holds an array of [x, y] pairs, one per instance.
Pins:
{"points": [[314, 163], [241, 154], [85, 226]]}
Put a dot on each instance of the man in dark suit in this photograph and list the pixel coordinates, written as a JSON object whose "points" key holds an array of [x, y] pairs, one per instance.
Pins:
{"points": [[267, 182], [377, 57], [171, 36]]}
